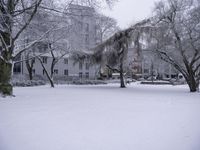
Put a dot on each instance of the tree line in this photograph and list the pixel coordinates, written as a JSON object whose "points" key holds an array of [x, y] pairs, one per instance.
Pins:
{"points": [[173, 33]]}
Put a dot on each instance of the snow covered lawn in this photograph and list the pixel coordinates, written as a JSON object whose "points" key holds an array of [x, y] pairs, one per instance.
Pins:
{"points": [[103, 117]]}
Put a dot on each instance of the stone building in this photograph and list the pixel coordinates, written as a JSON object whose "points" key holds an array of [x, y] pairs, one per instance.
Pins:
{"points": [[82, 36]]}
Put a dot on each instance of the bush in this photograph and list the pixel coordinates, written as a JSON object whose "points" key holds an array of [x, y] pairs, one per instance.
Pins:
{"points": [[27, 83], [87, 82]]}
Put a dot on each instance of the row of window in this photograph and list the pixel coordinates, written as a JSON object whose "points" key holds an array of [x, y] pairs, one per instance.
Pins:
{"points": [[44, 60], [81, 75], [66, 73], [87, 66]]}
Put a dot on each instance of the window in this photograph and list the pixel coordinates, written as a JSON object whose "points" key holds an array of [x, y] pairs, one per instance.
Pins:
{"points": [[65, 61], [80, 65], [87, 67], [43, 72], [146, 70], [80, 75], [87, 75], [42, 47], [55, 71], [44, 60], [33, 71], [87, 39], [17, 68], [33, 60], [87, 27], [66, 72]]}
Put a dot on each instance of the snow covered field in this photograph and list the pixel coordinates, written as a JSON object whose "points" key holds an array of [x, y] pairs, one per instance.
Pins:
{"points": [[103, 117]]}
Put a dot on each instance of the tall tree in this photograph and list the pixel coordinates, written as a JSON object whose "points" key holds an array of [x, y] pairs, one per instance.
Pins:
{"points": [[10, 14], [113, 51], [105, 28], [177, 37]]}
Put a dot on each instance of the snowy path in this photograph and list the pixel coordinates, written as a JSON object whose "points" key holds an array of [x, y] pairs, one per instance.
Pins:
{"points": [[101, 118]]}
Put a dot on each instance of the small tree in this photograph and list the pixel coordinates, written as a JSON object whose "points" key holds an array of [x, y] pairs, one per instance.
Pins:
{"points": [[56, 56]]}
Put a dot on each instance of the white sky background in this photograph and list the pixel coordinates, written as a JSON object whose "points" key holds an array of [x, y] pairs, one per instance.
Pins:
{"points": [[126, 12]]}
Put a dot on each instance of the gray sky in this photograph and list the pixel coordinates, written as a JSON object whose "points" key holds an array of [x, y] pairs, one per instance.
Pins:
{"points": [[126, 12]]}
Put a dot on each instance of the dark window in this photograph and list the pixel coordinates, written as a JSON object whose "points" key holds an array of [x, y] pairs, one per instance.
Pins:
{"points": [[33, 71], [87, 39], [87, 75], [87, 27], [42, 47], [80, 65], [55, 71], [44, 60], [146, 70], [66, 72], [65, 61], [43, 72], [17, 68], [87, 67], [80, 74], [33, 60]]}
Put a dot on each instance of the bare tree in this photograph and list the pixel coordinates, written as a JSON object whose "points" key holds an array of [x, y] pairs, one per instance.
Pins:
{"points": [[12, 25], [10, 14], [106, 27], [56, 56], [43, 21], [113, 52], [177, 37], [46, 71]]}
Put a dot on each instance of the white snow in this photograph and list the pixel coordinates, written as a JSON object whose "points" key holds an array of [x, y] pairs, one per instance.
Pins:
{"points": [[103, 117]]}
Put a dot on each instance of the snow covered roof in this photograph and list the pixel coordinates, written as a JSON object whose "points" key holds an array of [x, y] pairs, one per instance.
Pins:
{"points": [[55, 53]]}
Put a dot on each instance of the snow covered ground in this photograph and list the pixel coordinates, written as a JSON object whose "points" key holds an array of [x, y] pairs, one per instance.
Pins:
{"points": [[103, 117]]}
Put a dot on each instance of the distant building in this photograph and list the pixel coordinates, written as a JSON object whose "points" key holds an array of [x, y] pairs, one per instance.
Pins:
{"points": [[134, 62], [146, 64], [65, 69], [82, 36], [152, 65], [83, 27]]}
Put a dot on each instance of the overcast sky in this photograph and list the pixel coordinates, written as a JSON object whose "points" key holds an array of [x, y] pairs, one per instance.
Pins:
{"points": [[126, 12]]}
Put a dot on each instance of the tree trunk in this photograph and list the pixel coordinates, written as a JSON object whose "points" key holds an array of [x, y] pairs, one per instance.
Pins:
{"points": [[53, 63], [48, 76], [51, 82], [30, 70], [46, 72], [193, 84], [6, 64], [5, 77], [122, 85]]}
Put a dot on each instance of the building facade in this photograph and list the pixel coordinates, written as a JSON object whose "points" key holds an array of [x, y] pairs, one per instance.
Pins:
{"points": [[81, 36], [65, 68], [146, 64]]}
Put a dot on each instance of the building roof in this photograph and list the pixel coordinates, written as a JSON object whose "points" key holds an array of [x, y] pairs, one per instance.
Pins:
{"points": [[56, 54]]}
